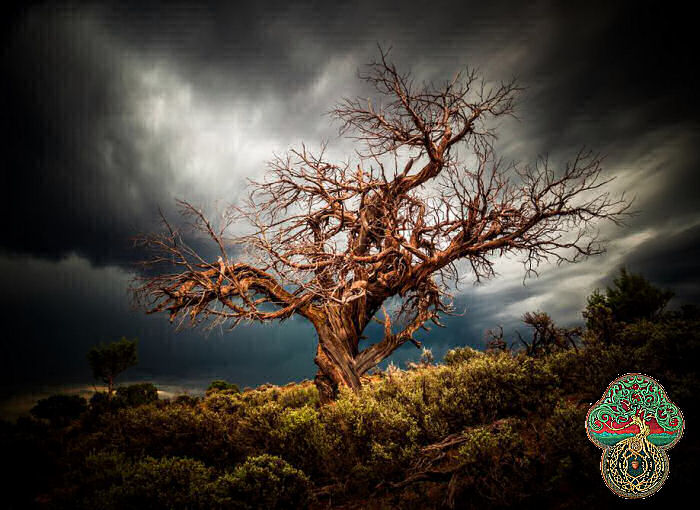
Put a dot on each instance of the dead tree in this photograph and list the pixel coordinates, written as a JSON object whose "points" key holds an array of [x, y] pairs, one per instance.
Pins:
{"points": [[403, 221], [547, 337]]}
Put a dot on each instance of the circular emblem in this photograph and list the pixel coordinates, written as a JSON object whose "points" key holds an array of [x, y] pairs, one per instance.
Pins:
{"points": [[634, 423]]}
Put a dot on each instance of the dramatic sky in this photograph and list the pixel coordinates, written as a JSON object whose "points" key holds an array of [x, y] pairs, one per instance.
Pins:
{"points": [[112, 111]]}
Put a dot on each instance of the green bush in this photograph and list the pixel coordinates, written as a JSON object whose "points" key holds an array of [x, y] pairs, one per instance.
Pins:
{"points": [[186, 400], [220, 385], [171, 483], [266, 482], [100, 403], [60, 410], [135, 395], [172, 430], [299, 395], [224, 402], [567, 457], [302, 439], [631, 298], [367, 431], [493, 465], [461, 355]]}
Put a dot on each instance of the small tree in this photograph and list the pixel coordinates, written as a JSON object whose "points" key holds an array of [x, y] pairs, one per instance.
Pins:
{"points": [[630, 298], [110, 360], [633, 297], [547, 337], [600, 322], [425, 201]]}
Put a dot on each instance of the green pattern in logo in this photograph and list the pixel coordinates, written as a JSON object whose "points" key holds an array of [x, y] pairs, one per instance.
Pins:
{"points": [[634, 423]]}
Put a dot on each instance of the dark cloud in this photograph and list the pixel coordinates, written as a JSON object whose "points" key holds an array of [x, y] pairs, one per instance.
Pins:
{"points": [[92, 171], [112, 110], [63, 95], [671, 258], [58, 310]]}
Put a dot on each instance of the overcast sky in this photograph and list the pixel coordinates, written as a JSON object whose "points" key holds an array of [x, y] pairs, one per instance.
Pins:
{"points": [[111, 111]]}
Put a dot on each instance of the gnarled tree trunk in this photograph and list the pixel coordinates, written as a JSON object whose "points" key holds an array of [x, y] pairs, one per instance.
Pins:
{"points": [[338, 332]]}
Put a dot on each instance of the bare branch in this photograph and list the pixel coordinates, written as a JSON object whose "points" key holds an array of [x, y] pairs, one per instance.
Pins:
{"points": [[332, 242]]}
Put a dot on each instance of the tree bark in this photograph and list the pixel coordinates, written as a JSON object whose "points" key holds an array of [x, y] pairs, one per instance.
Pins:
{"points": [[338, 340]]}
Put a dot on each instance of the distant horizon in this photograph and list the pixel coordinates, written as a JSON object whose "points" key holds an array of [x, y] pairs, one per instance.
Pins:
{"points": [[18, 397], [20, 403]]}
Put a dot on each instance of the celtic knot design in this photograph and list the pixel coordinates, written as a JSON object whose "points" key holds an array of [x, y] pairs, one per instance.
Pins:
{"points": [[634, 423]]}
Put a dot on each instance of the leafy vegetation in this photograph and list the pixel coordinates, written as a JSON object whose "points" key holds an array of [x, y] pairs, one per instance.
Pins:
{"points": [[109, 360], [60, 410], [220, 385], [135, 395], [502, 428]]}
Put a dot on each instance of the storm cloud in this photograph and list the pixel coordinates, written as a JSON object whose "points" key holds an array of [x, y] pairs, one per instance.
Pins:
{"points": [[114, 110]]}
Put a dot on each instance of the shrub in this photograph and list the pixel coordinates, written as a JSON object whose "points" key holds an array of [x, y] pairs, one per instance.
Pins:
{"points": [[170, 431], [299, 395], [302, 439], [372, 430], [266, 482], [493, 465], [101, 403], [569, 457], [60, 410], [461, 355], [94, 474], [224, 402], [220, 385], [135, 395], [631, 298], [172, 483], [186, 400]]}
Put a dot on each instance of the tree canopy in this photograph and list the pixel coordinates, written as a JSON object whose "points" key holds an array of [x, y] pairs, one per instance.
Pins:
{"points": [[59, 409], [630, 298], [109, 360]]}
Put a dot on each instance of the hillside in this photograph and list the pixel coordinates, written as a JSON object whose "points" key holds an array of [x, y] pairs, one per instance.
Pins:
{"points": [[502, 428]]}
